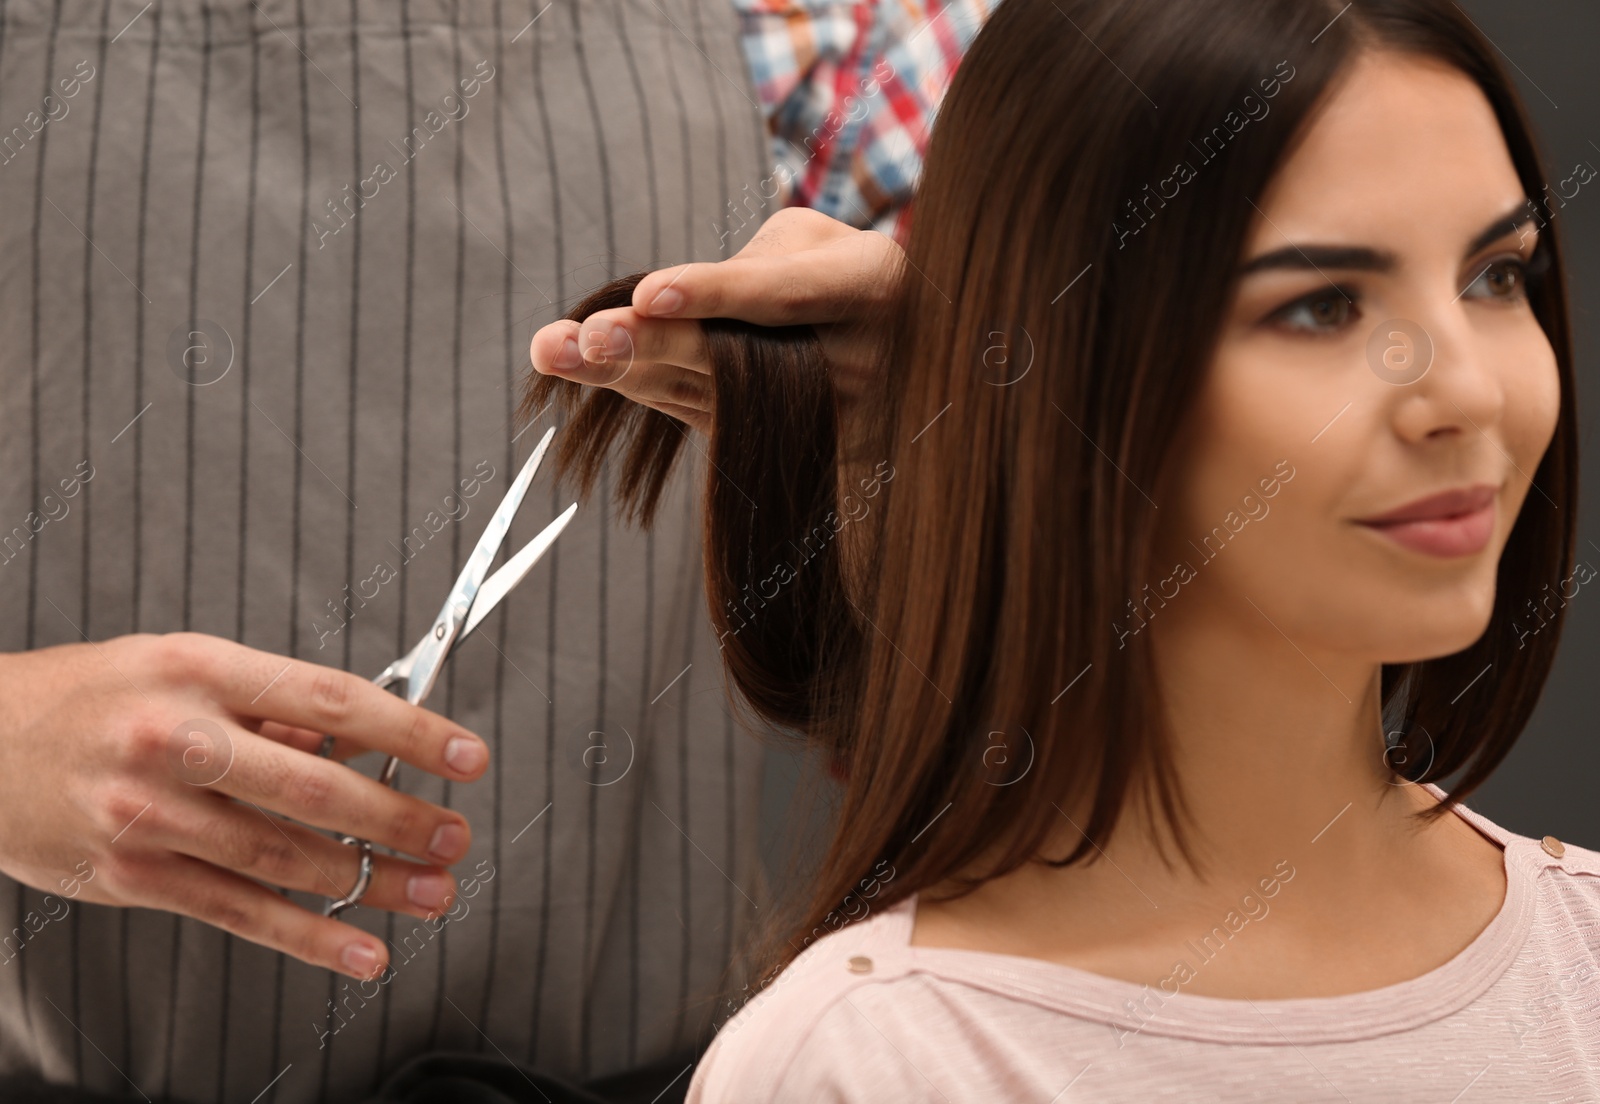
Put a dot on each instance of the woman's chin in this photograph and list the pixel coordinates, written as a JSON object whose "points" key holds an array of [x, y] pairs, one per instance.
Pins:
{"points": [[1423, 638]]}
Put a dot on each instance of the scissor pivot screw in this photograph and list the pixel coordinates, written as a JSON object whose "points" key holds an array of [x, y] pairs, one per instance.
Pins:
{"points": [[438, 631]]}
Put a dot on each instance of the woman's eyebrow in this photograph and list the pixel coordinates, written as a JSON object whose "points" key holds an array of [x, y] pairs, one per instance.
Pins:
{"points": [[1364, 258]]}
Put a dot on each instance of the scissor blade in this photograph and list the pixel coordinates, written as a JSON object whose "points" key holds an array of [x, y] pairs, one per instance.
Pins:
{"points": [[462, 595], [498, 585], [442, 637]]}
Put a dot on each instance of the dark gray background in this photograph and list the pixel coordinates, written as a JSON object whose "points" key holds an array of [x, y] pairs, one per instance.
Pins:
{"points": [[1548, 784]]}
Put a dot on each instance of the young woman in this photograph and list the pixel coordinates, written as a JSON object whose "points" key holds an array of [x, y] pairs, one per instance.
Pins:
{"points": [[1224, 473]]}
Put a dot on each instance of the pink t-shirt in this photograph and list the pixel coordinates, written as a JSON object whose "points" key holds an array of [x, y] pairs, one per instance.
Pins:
{"points": [[861, 1016]]}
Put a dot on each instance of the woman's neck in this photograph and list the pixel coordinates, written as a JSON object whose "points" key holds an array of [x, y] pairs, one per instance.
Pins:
{"points": [[1279, 752]]}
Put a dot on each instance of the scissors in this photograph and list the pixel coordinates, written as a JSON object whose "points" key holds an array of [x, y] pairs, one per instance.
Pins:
{"points": [[468, 603]]}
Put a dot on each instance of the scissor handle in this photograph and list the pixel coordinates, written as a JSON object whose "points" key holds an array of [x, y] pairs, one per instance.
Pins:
{"points": [[387, 678]]}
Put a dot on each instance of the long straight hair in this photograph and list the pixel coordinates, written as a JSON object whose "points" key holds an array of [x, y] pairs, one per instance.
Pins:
{"points": [[1051, 327]]}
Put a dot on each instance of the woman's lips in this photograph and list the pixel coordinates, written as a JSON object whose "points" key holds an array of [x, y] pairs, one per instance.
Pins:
{"points": [[1460, 535]]}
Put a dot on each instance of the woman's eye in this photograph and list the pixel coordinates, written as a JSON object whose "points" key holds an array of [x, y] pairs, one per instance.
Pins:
{"points": [[1326, 311], [1505, 279]]}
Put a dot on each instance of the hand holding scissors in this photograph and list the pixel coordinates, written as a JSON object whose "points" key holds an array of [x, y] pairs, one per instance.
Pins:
{"points": [[464, 609], [178, 771]]}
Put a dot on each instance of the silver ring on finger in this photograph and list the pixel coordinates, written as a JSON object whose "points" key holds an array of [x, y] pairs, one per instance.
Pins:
{"points": [[363, 879]]}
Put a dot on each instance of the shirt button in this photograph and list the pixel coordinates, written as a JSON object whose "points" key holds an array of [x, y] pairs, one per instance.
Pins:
{"points": [[860, 964], [1553, 846]]}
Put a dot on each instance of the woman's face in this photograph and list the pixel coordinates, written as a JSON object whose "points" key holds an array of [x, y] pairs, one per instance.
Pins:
{"points": [[1432, 376]]}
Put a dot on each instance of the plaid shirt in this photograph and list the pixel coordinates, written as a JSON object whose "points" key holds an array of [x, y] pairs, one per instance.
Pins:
{"points": [[849, 91]]}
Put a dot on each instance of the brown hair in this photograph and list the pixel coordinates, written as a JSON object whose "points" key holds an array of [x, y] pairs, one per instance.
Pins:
{"points": [[1009, 531]]}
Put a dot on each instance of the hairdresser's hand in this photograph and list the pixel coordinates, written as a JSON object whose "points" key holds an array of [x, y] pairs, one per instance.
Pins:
{"points": [[801, 266], [151, 770]]}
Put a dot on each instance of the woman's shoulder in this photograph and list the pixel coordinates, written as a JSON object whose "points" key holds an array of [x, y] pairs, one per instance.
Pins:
{"points": [[1568, 875], [1562, 898], [1563, 859], [794, 1024]]}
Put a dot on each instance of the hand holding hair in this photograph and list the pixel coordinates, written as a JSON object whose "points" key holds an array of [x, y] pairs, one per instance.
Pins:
{"points": [[774, 574], [800, 267]]}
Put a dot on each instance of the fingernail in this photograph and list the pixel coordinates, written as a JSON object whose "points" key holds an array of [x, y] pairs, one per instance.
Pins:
{"points": [[604, 343], [666, 301], [465, 754], [449, 841], [361, 959], [428, 891], [569, 357]]}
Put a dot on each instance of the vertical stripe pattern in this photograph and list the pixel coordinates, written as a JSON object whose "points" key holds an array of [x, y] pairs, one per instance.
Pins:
{"points": [[366, 209]]}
